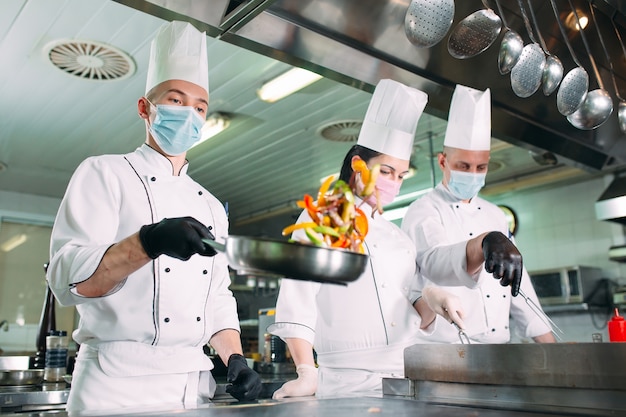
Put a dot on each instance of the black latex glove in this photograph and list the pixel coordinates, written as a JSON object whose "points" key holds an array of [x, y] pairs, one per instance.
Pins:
{"points": [[503, 260], [179, 238], [244, 383]]}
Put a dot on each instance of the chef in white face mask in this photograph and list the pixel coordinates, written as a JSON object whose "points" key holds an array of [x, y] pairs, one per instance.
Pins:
{"points": [[462, 239], [359, 331], [127, 250]]}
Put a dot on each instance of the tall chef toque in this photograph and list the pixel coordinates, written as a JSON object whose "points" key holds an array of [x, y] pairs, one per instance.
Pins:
{"points": [[178, 52], [469, 120], [391, 119]]}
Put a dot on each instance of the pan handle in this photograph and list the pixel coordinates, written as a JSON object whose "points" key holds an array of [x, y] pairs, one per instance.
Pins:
{"points": [[215, 245]]}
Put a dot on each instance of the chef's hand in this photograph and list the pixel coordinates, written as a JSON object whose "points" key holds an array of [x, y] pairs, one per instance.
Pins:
{"points": [[445, 304], [503, 260], [179, 238], [303, 386], [244, 383]]}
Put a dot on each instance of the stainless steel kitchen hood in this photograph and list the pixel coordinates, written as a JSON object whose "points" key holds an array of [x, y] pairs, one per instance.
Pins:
{"points": [[358, 42], [611, 205]]}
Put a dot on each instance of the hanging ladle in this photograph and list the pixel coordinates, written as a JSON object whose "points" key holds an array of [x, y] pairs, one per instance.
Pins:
{"points": [[621, 113], [574, 86], [475, 33], [553, 71], [510, 47], [598, 105], [527, 73]]}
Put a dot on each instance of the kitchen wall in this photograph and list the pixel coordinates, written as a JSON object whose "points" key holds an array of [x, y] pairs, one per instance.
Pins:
{"points": [[558, 227]]}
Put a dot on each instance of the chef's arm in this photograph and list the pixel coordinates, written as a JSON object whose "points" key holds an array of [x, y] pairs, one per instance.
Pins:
{"points": [[474, 254], [545, 338], [501, 258], [301, 351], [119, 261], [425, 312], [306, 384], [179, 237], [226, 342]]}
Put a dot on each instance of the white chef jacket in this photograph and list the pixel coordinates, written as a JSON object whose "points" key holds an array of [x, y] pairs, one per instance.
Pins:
{"points": [[440, 225], [143, 342], [359, 331]]}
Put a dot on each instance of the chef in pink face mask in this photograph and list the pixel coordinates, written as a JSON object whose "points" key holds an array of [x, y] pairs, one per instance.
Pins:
{"points": [[359, 331]]}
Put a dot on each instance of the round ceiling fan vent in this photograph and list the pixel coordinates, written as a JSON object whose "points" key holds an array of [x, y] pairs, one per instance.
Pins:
{"points": [[342, 131], [90, 60]]}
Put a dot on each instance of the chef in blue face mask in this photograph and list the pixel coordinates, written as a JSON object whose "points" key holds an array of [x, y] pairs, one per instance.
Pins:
{"points": [[462, 240], [127, 251]]}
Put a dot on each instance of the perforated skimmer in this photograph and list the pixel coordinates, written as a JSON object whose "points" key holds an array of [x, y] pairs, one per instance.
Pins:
{"points": [[527, 73], [475, 33], [427, 21]]}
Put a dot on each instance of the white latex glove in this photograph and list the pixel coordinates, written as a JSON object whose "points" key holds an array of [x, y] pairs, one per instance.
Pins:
{"points": [[303, 386], [445, 304]]}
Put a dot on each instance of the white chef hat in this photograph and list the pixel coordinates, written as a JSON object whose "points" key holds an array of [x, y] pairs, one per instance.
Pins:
{"points": [[469, 120], [178, 52], [391, 119]]}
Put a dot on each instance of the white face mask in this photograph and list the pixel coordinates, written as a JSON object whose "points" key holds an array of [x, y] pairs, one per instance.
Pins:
{"points": [[176, 128], [465, 185]]}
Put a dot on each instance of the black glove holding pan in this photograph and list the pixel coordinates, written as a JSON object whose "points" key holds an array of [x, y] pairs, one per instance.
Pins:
{"points": [[503, 260], [179, 237]]}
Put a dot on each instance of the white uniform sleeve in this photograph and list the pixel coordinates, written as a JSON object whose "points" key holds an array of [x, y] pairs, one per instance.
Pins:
{"points": [[296, 310], [84, 229], [438, 259], [296, 307]]}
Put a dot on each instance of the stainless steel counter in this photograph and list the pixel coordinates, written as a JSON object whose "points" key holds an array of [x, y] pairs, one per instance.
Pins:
{"points": [[311, 407], [53, 396], [46, 396]]}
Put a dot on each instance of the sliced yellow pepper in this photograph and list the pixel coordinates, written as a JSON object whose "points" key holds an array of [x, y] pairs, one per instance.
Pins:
{"points": [[290, 229], [321, 194]]}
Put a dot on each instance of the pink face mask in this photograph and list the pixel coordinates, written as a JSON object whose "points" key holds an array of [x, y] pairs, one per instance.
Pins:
{"points": [[387, 191]]}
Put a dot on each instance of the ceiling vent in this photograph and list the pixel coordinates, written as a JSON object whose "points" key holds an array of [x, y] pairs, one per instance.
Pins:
{"points": [[90, 60], [343, 131]]}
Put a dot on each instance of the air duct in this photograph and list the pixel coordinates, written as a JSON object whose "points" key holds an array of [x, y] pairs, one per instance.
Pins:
{"points": [[611, 205]]}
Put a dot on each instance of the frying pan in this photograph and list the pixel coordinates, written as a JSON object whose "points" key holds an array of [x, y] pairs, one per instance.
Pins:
{"points": [[291, 259], [21, 377]]}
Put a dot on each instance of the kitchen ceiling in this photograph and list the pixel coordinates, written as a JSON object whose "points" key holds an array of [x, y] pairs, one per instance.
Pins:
{"points": [[274, 153]]}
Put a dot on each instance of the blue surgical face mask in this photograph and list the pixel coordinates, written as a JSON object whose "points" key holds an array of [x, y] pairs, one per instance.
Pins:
{"points": [[176, 128], [465, 185]]}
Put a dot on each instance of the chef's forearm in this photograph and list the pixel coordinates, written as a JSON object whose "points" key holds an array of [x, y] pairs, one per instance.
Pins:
{"points": [[226, 342], [474, 254], [427, 315], [301, 351], [119, 261], [545, 338]]}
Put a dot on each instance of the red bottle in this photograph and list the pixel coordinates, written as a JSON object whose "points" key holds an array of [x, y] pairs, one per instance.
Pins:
{"points": [[617, 328]]}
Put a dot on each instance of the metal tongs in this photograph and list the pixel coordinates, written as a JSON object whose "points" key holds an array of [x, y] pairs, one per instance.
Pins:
{"points": [[543, 316], [465, 340]]}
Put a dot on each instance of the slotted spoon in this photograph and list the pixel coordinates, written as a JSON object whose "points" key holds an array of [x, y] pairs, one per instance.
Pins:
{"points": [[598, 104], [527, 73], [574, 85], [427, 22], [553, 71], [475, 33]]}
